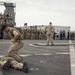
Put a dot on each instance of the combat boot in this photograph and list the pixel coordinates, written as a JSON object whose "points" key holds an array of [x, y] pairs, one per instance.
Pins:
{"points": [[7, 65], [25, 67]]}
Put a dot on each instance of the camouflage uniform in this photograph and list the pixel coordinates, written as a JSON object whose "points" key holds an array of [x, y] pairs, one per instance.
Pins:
{"points": [[49, 34], [14, 48], [14, 64]]}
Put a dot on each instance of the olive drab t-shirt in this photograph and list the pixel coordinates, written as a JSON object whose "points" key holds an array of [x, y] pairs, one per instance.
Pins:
{"points": [[20, 37]]}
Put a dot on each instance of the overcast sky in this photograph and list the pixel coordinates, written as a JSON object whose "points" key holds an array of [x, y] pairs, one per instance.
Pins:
{"points": [[41, 12]]}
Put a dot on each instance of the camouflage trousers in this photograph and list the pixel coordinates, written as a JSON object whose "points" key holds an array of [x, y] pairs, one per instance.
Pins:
{"points": [[13, 50], [49, 38], [14, 64]]}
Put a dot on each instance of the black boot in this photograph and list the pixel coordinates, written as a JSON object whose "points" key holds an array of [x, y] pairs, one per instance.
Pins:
{"points": [[7, 65], [25, 67]]}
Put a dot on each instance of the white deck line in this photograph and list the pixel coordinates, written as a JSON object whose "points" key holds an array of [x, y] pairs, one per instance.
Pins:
{"points": [[45, 54], [72, 58], [21, 55]]}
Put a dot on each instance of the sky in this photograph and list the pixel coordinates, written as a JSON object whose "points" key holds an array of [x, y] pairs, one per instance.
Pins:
{"points": [[41, 12]]}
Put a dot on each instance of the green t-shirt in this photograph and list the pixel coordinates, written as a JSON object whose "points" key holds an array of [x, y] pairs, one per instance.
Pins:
{"points": [[20, 37]]}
